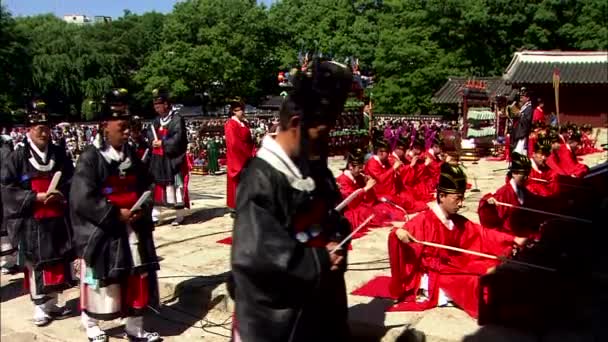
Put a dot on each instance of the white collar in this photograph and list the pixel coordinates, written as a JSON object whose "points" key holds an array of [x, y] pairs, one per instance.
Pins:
{"points": [[395, 155], [431, 152], [164, 121], [518, 192], [237, 120], [379, 161], [568, 146], [349, 174], [449, 224], [534, 166], [272, 153], [33, 147]]}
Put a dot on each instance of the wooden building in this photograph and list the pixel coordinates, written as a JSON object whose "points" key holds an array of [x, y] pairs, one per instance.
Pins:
{"points": [[583, 84]]}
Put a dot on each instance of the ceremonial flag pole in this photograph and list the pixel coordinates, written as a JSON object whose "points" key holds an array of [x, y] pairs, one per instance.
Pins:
{"points": [[556, 79]]}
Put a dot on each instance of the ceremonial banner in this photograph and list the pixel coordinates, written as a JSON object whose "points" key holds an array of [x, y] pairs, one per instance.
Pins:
{"points": [[556, 88]]}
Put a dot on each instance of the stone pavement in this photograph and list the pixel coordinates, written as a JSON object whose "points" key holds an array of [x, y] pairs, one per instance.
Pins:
{"points": [[196, 304]]}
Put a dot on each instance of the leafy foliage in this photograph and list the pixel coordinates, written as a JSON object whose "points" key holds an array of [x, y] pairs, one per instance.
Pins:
{"points": [[228, 48]]}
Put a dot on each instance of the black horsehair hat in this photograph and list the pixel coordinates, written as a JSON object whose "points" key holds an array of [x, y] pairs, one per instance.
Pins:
{"points": [[160, 95], [37, 114], [520, 163], [380, 142], [356, 157], [115, 105], [452, 179], [543, 145], [404, 142], [321, 91]]}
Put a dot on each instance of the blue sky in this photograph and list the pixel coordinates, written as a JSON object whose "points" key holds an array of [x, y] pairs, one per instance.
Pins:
{"points": [[113, 8]]}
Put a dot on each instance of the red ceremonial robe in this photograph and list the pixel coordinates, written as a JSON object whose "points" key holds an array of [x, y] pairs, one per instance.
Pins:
{"points": [[587, 145], [239, 148], [564, 162], [455, 273], [506, 219], [365, 204], [387, 179], [430, 176], [545, 189]]}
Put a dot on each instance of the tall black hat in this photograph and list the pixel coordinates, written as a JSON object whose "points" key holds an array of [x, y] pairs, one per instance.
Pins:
{"points": [[115, 105], [380, 142], [543, 145], [236, 103], [576, 135], [160, 95], [37, 113], [404, 142], [321, 91], [356, 156], [418, 141], [452, 179], [520, 163]]}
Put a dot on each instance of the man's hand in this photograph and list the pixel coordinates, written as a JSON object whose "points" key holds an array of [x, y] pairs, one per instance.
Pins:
{"points": [[54, 196], [41, 197], [336, 258], [136, 215], [397, 164], [491, 201], [370, 184], [157, 143], [403, 235], [414, 161], [520, 241], [124, 215]]}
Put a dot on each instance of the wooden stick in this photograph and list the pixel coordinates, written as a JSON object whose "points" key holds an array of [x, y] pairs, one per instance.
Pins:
{"points": [[479, 254], [565, 217], [363, 224]]}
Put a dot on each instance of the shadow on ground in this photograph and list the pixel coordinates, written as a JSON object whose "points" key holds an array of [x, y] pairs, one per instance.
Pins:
{"points": [[190, 303], [11, 290], [367, 323], [203, 215]]}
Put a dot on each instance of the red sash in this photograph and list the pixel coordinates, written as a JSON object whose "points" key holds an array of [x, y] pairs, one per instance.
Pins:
{"points": [[121, 191], [161, 134], [307, 228], [40, 184]]}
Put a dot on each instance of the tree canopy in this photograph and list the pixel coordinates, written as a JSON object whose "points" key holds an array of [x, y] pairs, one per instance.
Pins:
{"points": [[227, 48]]}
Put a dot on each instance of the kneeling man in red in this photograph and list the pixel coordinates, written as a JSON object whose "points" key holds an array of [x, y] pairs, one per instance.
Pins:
{"points": [[425, 277]]}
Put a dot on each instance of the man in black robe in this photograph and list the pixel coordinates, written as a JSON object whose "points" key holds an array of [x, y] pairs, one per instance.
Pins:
{"points": [[169, 145], [7, 251], [288, 285], [113, 237], [35, 212], [521, 132]]}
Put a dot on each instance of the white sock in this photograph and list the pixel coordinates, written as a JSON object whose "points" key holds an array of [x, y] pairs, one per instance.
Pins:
{"points": [[179, 198], [170, 194], [90, 325], [155, 214], [40, 312], [134, 326], [443, 298]]}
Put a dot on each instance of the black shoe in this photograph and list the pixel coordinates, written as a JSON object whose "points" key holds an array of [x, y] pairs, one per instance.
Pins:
{"points": [[148, 337], [61, 313], [11, 270], [99, 338]]}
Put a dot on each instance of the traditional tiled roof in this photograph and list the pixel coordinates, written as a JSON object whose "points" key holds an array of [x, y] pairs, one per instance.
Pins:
{"points": [[451, 92], [575, 67]]}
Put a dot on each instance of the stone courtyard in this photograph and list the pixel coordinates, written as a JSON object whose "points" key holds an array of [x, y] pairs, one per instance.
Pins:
{"points": [[194, 266]]}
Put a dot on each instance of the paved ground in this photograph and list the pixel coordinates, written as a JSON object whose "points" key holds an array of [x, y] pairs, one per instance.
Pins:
{"points": [[195, 302]]}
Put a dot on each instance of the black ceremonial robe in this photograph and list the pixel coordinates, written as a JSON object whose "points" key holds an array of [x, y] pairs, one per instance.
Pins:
{"points": [[166, 161], [283, 288], [100, 237], [42, 231], [6, 147]]}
